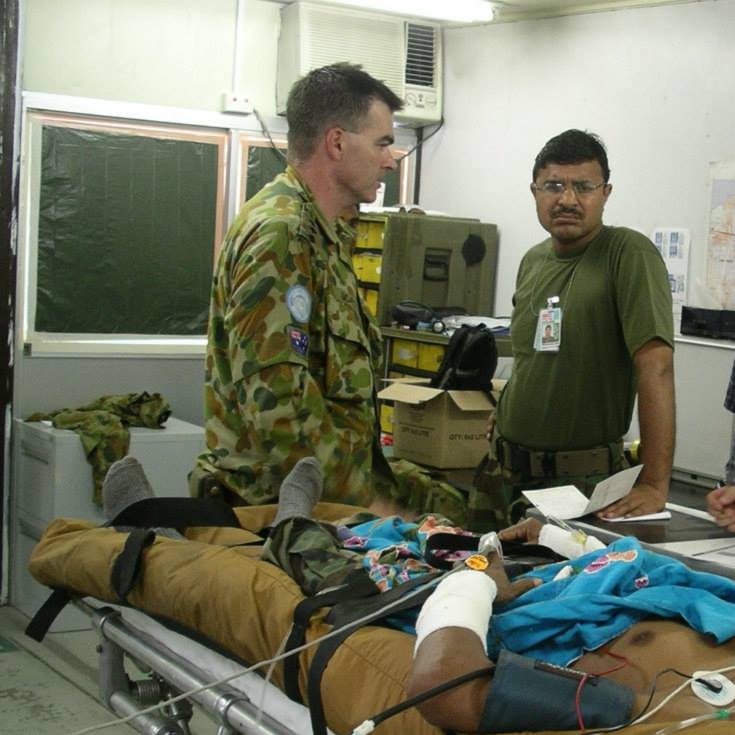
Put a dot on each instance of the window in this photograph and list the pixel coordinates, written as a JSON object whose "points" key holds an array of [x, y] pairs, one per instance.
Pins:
{"points": [[122, 216], [128, 218]]}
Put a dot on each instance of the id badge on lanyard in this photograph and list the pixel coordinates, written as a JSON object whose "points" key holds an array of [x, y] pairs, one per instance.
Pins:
{"points": [[548, 327]]}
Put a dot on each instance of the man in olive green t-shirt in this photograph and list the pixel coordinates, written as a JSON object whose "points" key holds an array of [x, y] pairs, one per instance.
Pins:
{"points": [[592, 329]]}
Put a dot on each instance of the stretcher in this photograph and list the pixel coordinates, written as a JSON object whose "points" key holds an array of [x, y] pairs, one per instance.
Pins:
{"points": [[202, 611]]}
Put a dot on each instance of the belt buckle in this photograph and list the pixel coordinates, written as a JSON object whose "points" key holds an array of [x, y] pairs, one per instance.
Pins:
{"points": [[583, 462]]}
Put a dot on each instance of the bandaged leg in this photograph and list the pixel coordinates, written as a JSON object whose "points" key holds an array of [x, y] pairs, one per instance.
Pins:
{"points": [[125, 484]]}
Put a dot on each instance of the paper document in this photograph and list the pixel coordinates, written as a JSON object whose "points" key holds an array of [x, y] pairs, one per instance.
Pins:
{"points": [[662, 515], [567, 502]]}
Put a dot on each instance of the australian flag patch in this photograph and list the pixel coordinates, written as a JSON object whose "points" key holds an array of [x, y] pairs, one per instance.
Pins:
{"points": [[299, 340]]}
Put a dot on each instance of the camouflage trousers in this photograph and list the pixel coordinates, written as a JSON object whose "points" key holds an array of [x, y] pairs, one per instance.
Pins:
{"points": [[311, 553], [496, 500], [415, 488]]}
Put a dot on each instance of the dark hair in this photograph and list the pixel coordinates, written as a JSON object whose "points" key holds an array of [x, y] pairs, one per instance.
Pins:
{"points": [[573, 146], [334, 95]]}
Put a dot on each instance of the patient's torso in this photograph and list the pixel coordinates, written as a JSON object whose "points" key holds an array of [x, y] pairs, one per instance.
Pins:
{"points": [[652, 646]]}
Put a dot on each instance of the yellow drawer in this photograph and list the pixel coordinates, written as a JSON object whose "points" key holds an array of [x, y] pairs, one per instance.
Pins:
{"points": [[370, 297], [386, 417], [430, 356], [367, 266], [370, 234], [405, 352]]}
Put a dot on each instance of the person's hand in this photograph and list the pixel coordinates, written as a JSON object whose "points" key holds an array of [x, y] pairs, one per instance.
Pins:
{"points": [[641, 500], [490, 432], [721, 506], [525, 531], [507, 590]]}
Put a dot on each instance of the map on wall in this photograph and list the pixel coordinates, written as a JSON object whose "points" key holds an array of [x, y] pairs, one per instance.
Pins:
{"points": [[721, 235]]}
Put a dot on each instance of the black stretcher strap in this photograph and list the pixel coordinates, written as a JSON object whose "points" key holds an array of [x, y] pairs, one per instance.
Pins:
{"points": [[161, 512], [360, 586], [176, 513], [47, 613], [349, 614], [528, 554], [127, 565]]}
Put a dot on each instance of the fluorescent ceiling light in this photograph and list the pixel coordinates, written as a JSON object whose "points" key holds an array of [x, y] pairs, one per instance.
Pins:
{"points": [[458, 11]]}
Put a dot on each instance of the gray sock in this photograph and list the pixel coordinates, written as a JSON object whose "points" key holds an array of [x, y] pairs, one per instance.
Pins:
{"points": [[300, 491], [125, 483]]}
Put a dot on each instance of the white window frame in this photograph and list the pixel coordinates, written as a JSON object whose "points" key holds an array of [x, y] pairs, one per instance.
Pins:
{"points": [[240, 132]]}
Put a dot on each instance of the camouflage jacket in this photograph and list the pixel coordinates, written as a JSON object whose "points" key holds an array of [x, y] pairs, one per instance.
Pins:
{"points": [[292, 352]]}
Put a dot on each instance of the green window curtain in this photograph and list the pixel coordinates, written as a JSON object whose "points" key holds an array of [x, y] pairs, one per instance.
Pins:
{"points": [[126, 233]]}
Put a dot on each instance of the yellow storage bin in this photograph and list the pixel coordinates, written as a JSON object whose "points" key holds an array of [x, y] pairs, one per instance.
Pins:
{"points": [[430, 356], [367, 266], [386, 417], [370, 234], [405, 352], [370, 296]]}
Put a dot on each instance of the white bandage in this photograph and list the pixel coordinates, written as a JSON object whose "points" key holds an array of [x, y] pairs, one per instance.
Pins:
{"points": [[464, 599], [570, 544]]}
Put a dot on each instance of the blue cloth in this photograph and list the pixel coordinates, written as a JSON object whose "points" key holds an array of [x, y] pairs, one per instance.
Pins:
{"points": [[608, 591]]}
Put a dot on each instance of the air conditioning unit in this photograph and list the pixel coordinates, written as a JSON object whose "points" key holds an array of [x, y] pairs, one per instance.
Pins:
{"points": [[405, 54]]}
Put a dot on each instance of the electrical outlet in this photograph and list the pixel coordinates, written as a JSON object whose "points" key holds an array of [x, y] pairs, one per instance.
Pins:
{"points": [[233, 102]]}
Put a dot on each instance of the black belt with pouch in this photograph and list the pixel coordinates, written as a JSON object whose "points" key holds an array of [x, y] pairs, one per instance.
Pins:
{"points": [[533, 463]]}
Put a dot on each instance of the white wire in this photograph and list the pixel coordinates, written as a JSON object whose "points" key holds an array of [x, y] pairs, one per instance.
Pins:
{"points": [[676, 691], [266, 662]]}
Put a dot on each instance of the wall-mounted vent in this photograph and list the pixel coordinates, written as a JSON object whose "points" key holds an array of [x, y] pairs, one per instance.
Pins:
{"points": [[407, 56], [421, 44]]}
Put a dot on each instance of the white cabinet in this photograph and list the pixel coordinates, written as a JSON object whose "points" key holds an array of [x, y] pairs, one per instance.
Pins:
{"points": [[52, 478]]}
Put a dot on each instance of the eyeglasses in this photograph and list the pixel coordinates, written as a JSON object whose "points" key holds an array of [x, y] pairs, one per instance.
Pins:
{"points": [[559, 187]]}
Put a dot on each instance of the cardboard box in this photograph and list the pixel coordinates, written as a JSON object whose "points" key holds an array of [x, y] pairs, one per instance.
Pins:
{"points": [[439, 428]]}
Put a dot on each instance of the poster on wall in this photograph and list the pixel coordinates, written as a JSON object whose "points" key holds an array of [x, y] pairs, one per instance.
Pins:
{"points": [[673, 244], [720, 281]]}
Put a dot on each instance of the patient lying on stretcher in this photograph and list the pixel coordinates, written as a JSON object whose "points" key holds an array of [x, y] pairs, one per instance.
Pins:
{"points": [[603, 614]]}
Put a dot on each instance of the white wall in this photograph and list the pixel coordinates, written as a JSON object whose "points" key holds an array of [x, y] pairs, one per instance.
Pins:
{"points": [[657, 85], [176, 53]]}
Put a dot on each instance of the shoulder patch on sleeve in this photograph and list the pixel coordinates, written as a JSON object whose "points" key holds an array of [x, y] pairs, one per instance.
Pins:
{"points": [[298, 302]]}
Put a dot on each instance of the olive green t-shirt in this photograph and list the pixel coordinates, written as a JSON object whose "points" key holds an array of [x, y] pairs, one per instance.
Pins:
{"points": [[615, 296]]}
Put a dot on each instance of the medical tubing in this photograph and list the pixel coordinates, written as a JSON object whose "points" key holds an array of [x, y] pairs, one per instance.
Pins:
{"points": [[676, 691], [720, 714], [231, 677], [645, 713]]}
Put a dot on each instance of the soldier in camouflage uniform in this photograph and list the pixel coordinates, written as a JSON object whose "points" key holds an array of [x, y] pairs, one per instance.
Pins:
{"points": [[292, 350]]}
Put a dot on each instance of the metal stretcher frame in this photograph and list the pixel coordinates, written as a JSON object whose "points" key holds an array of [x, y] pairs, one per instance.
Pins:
{"points": [[176, 665]]}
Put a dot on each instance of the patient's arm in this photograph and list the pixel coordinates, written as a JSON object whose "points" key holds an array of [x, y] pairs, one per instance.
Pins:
{"points": [[444, 655], [451, 651]]}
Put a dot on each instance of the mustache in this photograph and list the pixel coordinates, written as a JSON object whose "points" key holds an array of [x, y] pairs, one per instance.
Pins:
{"points": [[565, 210]]}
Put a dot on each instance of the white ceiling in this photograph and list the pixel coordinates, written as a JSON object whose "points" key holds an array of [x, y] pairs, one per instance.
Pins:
{"points": [[510, 10], [513, 10]]}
